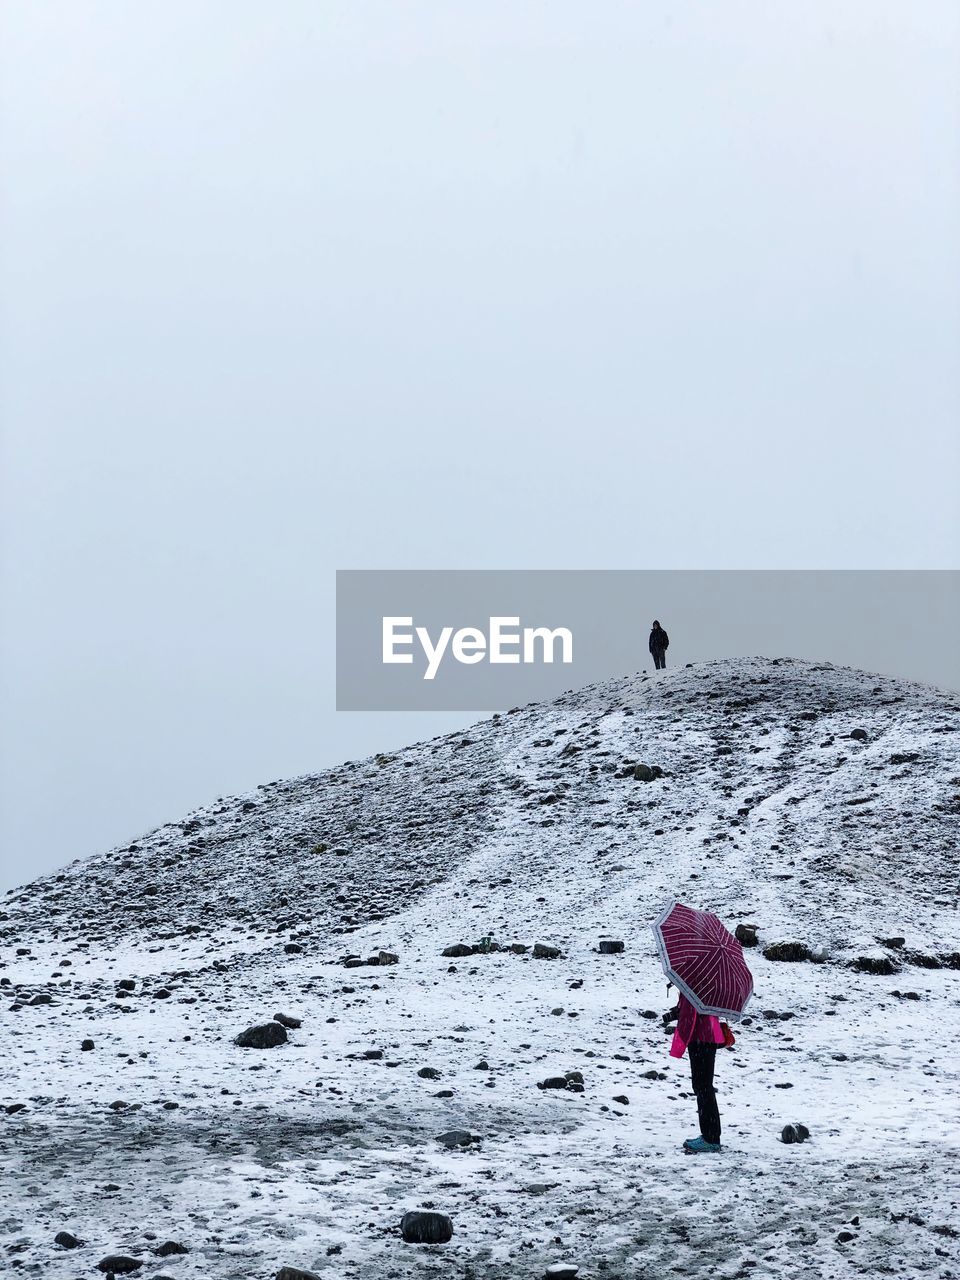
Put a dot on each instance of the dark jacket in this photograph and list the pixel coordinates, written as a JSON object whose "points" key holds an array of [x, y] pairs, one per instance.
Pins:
{"points": [[659, 640]]}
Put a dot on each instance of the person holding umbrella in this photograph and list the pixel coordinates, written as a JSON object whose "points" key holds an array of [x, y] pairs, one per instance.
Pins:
{"points": [[705, 962], [699, 1035]]}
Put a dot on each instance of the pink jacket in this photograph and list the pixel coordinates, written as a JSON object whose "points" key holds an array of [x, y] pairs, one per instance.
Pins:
{"points": [[692, 1026]]}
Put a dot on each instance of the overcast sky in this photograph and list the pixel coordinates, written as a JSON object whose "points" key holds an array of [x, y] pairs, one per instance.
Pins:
{"points": [[301, 286]]}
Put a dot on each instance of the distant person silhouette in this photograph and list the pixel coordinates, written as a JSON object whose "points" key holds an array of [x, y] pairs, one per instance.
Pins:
{"points": [[659, 640]]}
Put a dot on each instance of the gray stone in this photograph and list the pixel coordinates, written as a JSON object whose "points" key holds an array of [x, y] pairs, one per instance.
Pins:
{"points": [[426, 1228], [790, 951], [266, 1036], [458, 949], [883, 965], [456, 1138]]}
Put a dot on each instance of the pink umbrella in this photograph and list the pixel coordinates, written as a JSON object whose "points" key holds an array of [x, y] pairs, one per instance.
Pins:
{"points": [[703, 960]]}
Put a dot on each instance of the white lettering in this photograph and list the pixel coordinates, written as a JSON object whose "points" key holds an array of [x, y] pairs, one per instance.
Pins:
{"points": [[532, 634], [391, 639], [469, 645], [434, 653], [498, 638]]}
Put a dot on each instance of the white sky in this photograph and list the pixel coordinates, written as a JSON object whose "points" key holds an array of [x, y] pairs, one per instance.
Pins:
{"points": [[308, 285]]}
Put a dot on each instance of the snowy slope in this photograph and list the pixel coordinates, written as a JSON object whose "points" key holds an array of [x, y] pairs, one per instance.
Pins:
{"points": [[528, 828]]}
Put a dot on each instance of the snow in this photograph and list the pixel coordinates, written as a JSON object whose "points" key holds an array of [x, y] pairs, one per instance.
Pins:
{"points": [[308, 1154]]}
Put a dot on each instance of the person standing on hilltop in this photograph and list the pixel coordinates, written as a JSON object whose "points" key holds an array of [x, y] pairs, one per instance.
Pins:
{"points": [[658, 646]]}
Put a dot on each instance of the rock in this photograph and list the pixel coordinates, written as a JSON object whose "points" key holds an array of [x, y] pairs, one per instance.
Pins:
{"points": [[127, 984], [170, 1247], [875, 964], [119, 1105], [553, 1082], [456, 1138], [426, 1228], [292, 948], [162, 994], [794, 1133], [66, 1240], [266, 1036], [119, 1264], [646, 772], [296, 1273], [573, 1077], [622, 1099], [610, 946], [858, 735], [541, 951], [843, 1237], [86, 1046], [429, 1073], [373, 1055], [42, 997], [746, 934], [482, 1065], [285, 1020], [894, 943], [561, 1271], [458, 949], [518, 948], [387, 957], [791, 951]]}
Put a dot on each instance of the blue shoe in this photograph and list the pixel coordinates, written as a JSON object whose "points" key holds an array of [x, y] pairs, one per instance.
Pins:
{"points": [[699, 1145]]}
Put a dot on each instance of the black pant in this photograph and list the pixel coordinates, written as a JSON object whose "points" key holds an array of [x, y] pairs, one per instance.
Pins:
{"points": [[702, 1058], [659, 659]]}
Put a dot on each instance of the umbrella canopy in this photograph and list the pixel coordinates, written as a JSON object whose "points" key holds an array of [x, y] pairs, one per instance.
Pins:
{"points": [[703, 960]]}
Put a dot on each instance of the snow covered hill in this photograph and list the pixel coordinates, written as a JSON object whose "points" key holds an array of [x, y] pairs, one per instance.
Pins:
{"points": [[819, 803]]}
